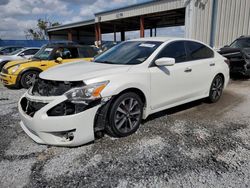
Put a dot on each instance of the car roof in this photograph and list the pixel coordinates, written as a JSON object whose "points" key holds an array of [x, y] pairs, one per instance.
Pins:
{"points": [[244, 36], [11, 46], [53, 45], [156, 39], [27, 48], [163, 39]]}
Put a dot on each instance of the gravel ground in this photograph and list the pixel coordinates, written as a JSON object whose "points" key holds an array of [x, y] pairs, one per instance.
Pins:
{"points": [[195, 145]]}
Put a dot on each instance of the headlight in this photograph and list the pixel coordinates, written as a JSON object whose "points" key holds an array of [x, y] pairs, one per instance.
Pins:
{"points": [[86, 93], [15, 68]]}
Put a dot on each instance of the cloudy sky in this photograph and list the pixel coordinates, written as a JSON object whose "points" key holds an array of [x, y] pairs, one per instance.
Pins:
{"points": [[16, 16]]}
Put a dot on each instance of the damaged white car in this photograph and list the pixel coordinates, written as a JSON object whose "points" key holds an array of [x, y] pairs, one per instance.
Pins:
{"points": [[68, 104]]}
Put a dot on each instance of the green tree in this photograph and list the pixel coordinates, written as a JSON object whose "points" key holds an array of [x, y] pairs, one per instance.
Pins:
{"points": [[39, 32]]}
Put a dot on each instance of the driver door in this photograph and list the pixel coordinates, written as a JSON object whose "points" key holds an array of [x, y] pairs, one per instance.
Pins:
{"points": [[170, 84]]}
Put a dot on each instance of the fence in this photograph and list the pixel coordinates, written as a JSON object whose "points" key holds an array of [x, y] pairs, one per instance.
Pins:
{"points": [[23, 43]]}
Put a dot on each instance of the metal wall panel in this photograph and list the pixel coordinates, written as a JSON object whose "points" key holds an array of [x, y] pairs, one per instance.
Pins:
{"points": [[154, 7], [233, 20], [200, 20]]}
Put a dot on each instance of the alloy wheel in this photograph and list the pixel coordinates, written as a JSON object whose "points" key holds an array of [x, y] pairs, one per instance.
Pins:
{"points": [[127, 115], [30, 78], [217, 87]]}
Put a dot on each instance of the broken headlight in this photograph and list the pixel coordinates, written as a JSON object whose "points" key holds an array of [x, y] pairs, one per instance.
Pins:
{"points": [[86, 93]]}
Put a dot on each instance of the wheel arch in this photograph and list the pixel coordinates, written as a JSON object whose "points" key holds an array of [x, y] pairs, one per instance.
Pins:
{"points": [[26, 70], [136, 91], [2, 63], [101, 116], [223, 77]]}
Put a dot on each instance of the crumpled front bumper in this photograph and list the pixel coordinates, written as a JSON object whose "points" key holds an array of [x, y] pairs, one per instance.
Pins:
{"points": [[51, 130]]}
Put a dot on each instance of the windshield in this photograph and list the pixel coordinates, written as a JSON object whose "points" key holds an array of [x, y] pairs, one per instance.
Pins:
{"points": [[15, 52], [43, 54], [241, 43], [128, 53]]}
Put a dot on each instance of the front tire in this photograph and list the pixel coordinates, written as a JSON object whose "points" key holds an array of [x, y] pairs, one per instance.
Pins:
{"points": [[216, 89], [125, 115], [28, 78]]}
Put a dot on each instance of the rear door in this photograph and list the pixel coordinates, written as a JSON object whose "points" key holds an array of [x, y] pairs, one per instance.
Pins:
{"points": [[200, 58]]}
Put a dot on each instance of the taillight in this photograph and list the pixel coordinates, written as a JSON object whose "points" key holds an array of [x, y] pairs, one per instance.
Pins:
{"points": [[227, 62]]}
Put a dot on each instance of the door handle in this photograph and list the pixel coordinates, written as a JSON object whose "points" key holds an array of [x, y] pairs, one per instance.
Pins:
{"points": [[212, 64], [188, 69]]}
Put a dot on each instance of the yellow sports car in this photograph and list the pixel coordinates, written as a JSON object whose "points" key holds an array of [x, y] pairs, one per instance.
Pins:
{"points": [[23, 73]]}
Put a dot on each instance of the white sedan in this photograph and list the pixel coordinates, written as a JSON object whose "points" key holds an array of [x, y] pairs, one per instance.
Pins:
{"points": [[68, 104]]}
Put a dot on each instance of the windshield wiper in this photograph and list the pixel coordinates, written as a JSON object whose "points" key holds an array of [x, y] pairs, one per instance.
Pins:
{"points": [[107, 62], [36, 58]]}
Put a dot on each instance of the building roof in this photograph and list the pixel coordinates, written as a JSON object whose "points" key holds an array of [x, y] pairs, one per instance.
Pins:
{"points": [[148, 7], [127, 7], [72, 25]]}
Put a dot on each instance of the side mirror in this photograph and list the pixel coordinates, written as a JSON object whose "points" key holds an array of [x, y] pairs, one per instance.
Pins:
{"points": [[165, 61], [21, 54], [59, 60], [226, 46]]}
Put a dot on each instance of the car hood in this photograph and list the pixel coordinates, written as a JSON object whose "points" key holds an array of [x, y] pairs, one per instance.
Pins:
{"points": [[82, 71], [6, 57], [234, 52], [225, 50], [18, 62]]}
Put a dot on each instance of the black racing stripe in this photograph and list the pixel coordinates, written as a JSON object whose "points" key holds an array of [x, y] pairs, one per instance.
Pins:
{"points": [[22, 63]]}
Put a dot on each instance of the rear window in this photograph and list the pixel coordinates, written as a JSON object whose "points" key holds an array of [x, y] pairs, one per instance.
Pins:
{"points": [[196, 51], [85, 52]]}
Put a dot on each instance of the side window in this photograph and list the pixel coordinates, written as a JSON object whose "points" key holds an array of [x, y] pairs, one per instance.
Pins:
{"points": [[14, 49], [30, 52], [66, 53], [197, 51], [174, 50], [6, 50], [87, 52]]}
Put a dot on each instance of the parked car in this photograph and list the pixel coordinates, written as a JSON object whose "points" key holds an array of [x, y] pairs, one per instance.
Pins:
{"points": [[5, 50], [23, 73], [238, 54], [20, 54], [107, 45], [132, 80]]}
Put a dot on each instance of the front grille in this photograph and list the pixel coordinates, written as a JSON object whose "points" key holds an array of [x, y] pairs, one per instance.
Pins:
{"points": [[67, 108], [5, 82], [53, 88], [30, 107]]}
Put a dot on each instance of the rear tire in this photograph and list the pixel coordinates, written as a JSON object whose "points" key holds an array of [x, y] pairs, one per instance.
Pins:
{"points": [[125, 115], [28, 78], [216, 89]]}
